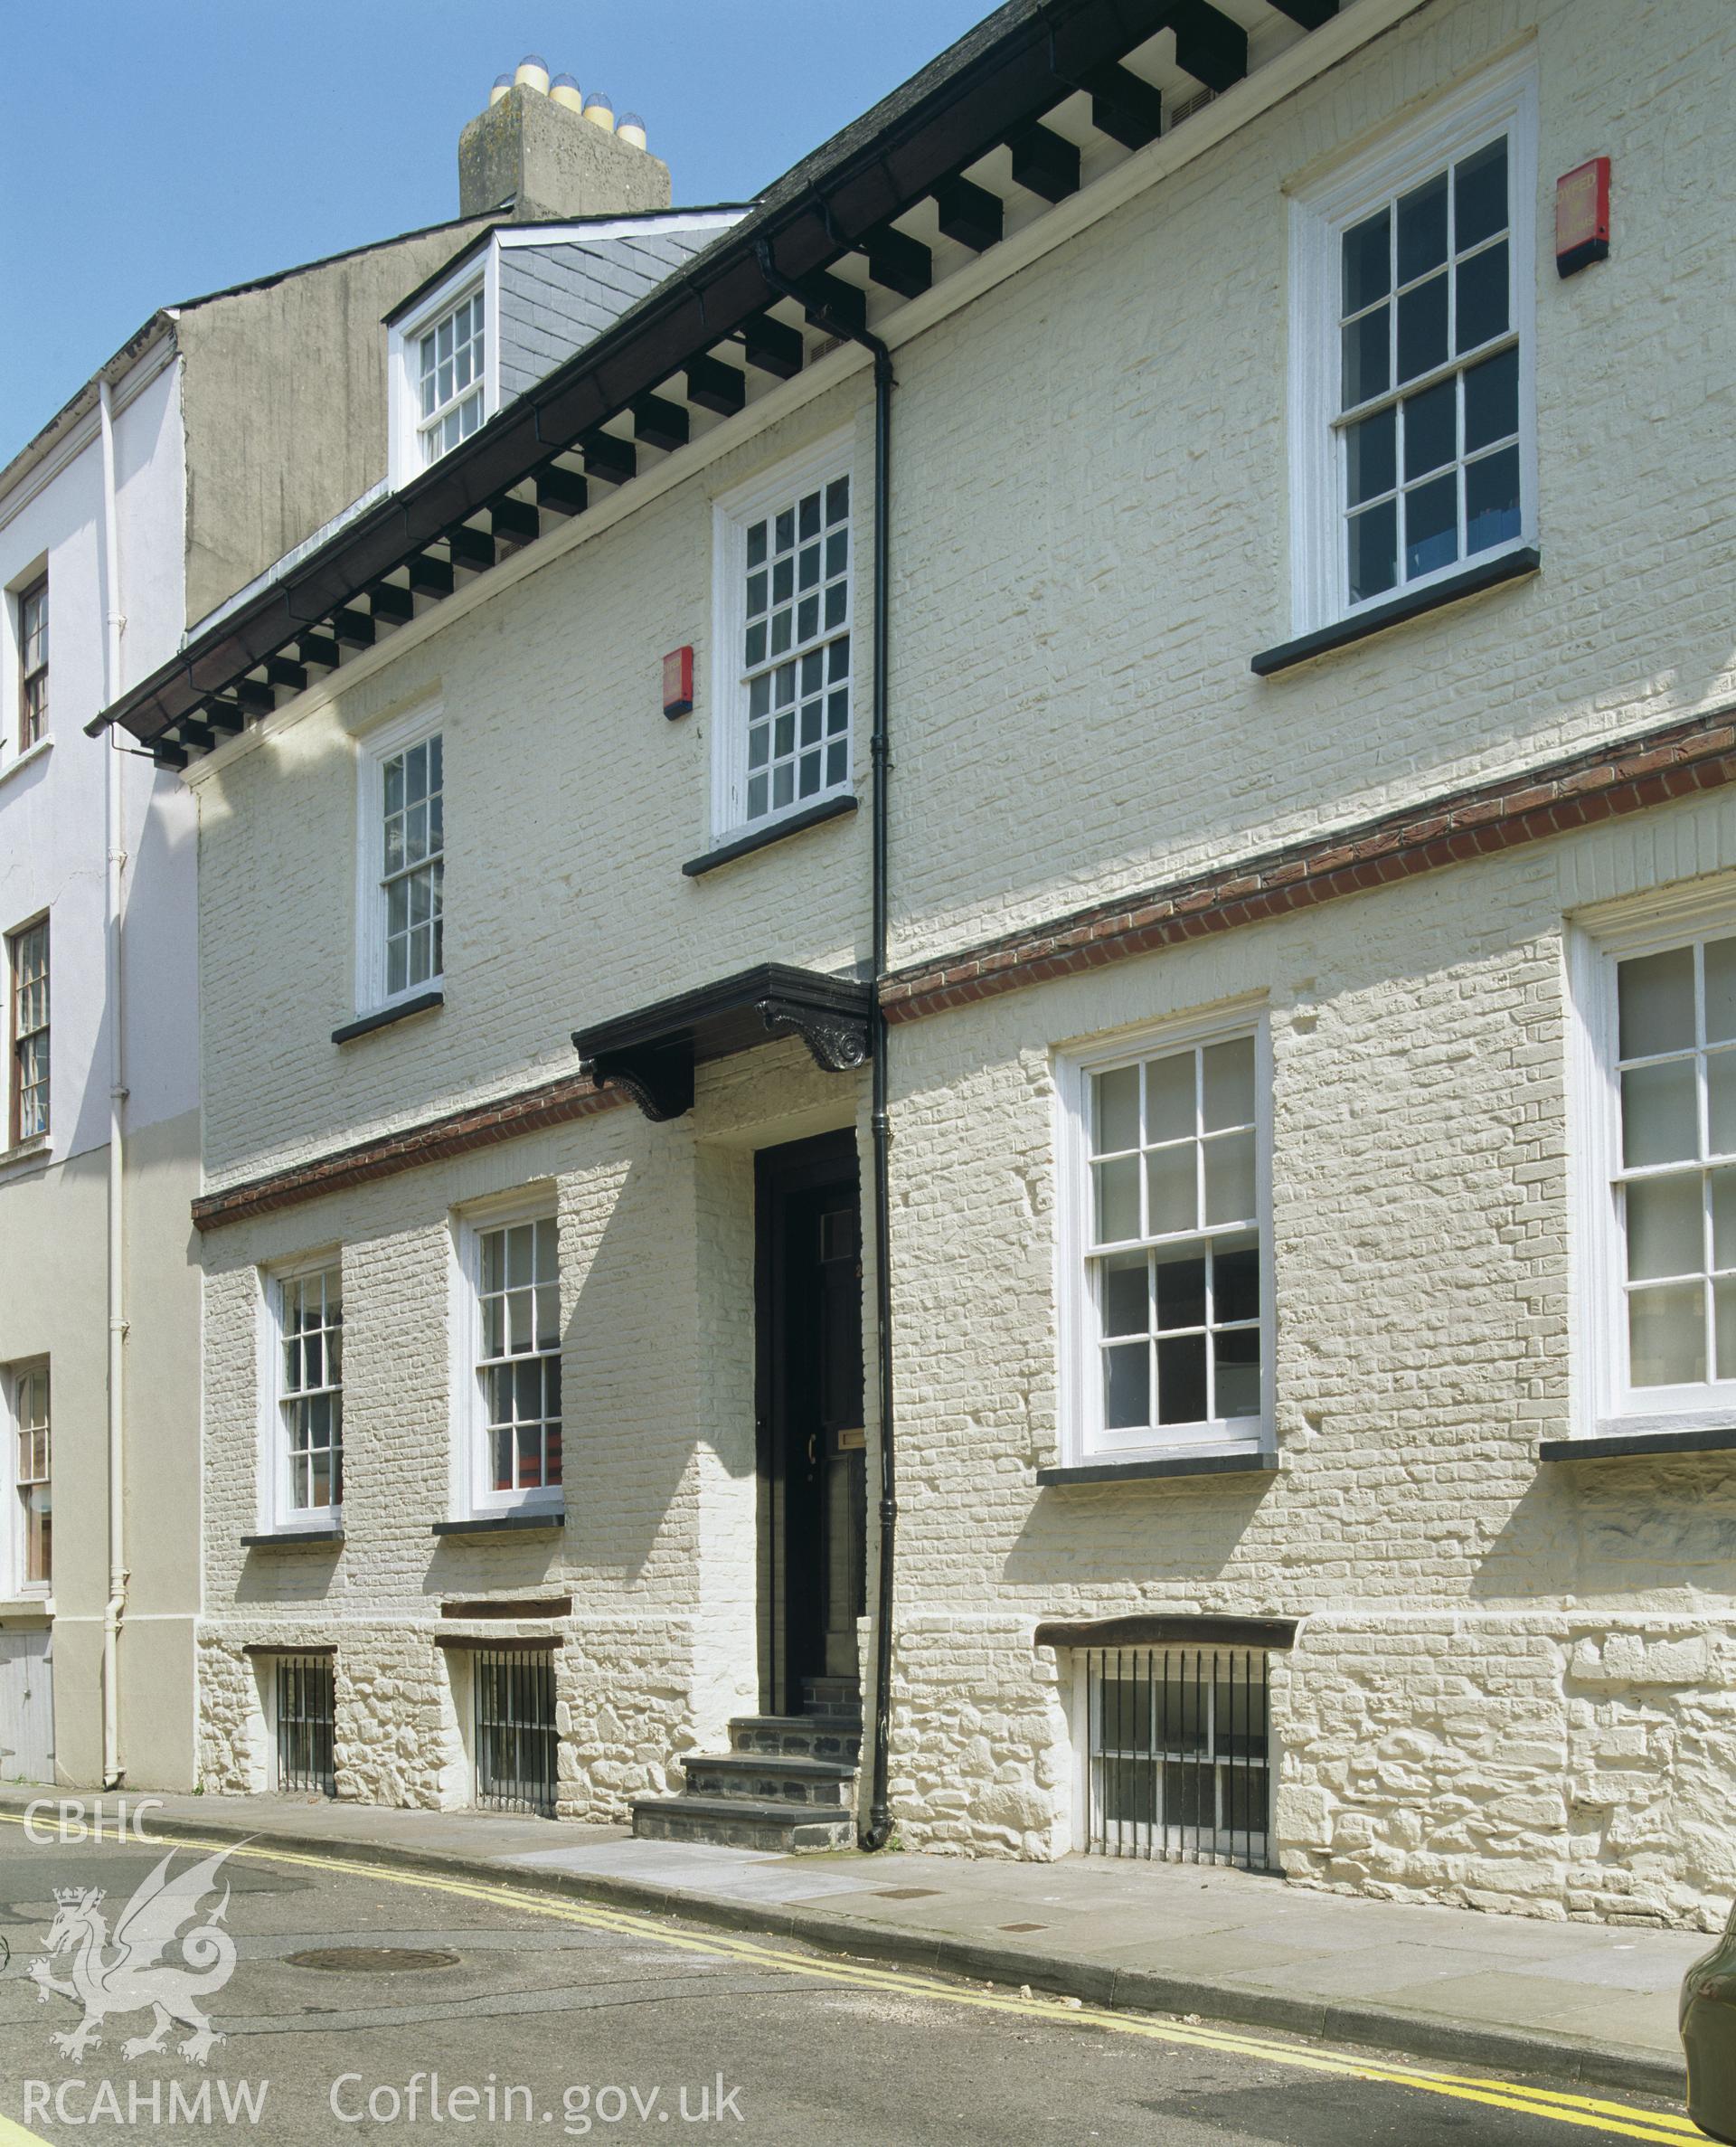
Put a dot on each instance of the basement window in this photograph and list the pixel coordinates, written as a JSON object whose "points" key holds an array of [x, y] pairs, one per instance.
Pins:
{"points": [[304, 1693], [1179, 1754], [515, 1737]]}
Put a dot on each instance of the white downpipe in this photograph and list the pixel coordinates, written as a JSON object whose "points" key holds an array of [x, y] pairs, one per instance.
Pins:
{"points": [[116, 837]]}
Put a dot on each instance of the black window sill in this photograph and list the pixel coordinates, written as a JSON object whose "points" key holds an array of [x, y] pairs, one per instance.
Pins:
{"points": [[1178, 1464], [1721, 1440], [501, 1524], [289, 1539], [425, 1002], [1509, 567], [831, 808]]}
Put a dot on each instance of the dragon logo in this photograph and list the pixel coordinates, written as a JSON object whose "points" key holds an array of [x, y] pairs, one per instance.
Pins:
{"points": [[126, 1974]]}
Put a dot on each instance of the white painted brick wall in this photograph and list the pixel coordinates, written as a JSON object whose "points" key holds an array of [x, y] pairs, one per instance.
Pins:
{"points": [[1508, 1687], [1510, 1684]]}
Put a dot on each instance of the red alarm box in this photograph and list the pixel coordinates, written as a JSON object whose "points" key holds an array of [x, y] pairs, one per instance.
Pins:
{"points": [[1582, 216], [678, 683]]}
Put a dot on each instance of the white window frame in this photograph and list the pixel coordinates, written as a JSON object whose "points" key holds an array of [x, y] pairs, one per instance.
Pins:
{"points": [[278, 1512], [403, 339], [17, 1545], [1505, 98], [732, 516], [1083, 1438], [373, 751], [1605, 1405], [473, 1495]]}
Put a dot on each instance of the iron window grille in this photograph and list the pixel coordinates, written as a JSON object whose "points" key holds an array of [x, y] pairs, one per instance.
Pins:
{"points": [[1180, 1743], [515, 1738], [306, 1723]]}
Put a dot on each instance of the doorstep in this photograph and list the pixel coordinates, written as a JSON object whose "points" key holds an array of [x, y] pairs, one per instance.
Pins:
{"points": [[1587, 2002]]}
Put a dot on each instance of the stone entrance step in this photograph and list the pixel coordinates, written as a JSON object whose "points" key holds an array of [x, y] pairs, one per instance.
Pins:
{"points": [[837, 1737], [769, 1778], [734, 1822], [787, 1781]]}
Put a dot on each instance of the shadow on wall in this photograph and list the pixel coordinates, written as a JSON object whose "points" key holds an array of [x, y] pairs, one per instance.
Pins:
{"points": [[658, 1352], [274, 1574], [1618, 1530], [1162, 1532]]}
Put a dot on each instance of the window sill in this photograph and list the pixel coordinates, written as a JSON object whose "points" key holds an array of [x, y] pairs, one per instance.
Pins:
{"points": [[286, 1539], [1489, 574], [425, 1002], [1263, 1461], [18, 1159], [27, 1610], [31, 754], [549, 1519], [816, 816], [1721, 1439]]}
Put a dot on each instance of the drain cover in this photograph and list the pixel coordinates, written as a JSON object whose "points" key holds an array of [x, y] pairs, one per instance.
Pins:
{"points": [[371, 1960], [907, 1893]]}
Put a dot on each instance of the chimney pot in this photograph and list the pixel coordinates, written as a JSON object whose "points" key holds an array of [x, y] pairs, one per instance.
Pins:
{"points": [[631, 130], [533, 73], [503, 83], [539, 159]]}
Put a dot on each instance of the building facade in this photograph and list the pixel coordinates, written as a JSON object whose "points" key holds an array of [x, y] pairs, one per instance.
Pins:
{"points": [[1302, 1023], [220, 440]]}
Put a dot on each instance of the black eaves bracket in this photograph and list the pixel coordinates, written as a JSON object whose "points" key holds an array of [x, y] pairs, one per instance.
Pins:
{"points": [[837, 1042], [661, 1082]]}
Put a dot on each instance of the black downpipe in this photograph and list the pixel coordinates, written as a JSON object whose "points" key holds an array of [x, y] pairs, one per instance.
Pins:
{"points": [[878, 1830]]}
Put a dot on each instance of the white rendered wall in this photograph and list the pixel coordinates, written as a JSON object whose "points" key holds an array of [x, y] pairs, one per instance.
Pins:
{"points": [[54, 1204]]}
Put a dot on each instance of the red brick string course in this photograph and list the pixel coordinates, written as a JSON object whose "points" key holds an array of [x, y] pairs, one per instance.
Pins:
{"points": [[1600, 784], [479, 1125]]}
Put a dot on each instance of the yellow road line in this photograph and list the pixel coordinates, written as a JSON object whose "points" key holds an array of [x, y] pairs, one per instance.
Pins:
{"points": [[1584, 2112]]}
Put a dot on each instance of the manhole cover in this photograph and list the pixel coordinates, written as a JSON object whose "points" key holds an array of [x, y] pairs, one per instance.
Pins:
{"points": [[906, 1893], [371, 1960]]}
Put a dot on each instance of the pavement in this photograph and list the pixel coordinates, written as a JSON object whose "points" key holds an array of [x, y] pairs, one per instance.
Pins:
{"points": [[1578, 2002], [326, 1993]]}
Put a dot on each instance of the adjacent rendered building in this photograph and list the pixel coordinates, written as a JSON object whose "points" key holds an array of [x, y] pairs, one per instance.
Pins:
{"points": [[227, 434], [1082, 764]]}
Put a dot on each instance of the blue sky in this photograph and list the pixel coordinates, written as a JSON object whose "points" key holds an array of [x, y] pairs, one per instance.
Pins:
{"points": [[154, 149]]}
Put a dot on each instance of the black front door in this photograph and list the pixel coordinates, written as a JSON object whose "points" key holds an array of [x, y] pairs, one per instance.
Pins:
{"points": [[812, 1465]]}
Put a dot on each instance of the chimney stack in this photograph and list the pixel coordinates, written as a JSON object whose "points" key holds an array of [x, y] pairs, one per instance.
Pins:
{"points": [[550, 154]]}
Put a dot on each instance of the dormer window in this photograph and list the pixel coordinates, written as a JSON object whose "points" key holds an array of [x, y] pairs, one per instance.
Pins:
{"points": [[450, 375], [443, 364]]}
